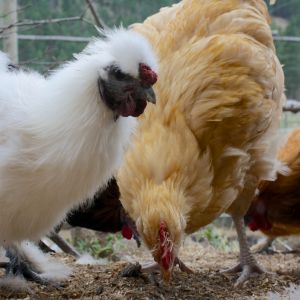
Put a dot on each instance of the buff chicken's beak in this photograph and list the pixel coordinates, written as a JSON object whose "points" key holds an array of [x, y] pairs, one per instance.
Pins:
{"points": [[166, 276]]}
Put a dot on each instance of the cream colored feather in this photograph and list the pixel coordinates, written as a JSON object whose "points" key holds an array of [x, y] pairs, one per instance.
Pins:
{"points": [[202, 150]]}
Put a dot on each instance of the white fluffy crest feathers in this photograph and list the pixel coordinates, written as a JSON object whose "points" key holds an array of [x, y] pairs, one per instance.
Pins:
{"points": [[127, 48]]}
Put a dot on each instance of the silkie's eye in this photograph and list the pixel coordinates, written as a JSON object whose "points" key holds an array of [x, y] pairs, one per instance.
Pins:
{"points": [[119, 74]]}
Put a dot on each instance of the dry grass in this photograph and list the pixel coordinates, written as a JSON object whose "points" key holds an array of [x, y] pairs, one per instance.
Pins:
{"points": [[104, 281]]}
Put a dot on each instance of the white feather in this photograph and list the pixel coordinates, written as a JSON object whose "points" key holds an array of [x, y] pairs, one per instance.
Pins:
{"points": [[49, 269], [118, 42], [87, 259], [58, 141]]}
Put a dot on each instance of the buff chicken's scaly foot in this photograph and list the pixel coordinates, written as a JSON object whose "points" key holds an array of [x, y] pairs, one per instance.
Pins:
{"points": [[156, 267], [247, 265]]}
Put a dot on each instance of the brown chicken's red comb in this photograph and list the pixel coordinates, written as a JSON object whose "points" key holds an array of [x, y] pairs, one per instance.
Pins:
{"points": [[147, 75]]}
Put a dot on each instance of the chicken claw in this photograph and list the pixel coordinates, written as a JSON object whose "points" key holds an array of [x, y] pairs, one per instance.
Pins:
{"points": [[248, 264], [19, 267], [246, 271], [177, 262], [182, 266], [151, 268], [132, 270]]}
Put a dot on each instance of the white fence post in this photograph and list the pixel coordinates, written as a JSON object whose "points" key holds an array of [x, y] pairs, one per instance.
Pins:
{"points": [[9, 15]]}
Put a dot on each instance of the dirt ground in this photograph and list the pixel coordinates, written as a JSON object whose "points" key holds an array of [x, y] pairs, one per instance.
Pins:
{"points": [[103, 281]]}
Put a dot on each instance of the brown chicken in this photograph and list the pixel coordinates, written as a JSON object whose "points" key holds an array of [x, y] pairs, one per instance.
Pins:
{"points": [[203, 149], [276, 208]]}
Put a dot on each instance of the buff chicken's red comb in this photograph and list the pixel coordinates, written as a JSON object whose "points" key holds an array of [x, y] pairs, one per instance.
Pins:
{"points": [[165, 247]]}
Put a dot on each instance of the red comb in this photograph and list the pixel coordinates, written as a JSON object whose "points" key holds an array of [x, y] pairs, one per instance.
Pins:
{"points": [[163, 231], [147, 76], [167, 255], [253, 226], [167, 260]]}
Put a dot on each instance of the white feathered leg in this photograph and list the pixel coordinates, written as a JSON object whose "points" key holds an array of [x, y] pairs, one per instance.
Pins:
{"points": [[19, 267], [27, 261]]}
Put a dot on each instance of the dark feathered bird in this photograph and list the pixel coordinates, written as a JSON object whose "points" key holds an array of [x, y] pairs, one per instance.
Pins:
{"points": [[105, 213], [276, 209]]}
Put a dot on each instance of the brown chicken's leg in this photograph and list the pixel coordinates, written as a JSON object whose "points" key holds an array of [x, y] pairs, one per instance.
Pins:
{"points": [[248, 264], [263, 245]]}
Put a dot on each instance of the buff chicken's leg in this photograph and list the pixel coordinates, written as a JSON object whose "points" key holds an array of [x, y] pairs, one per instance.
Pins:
{"points": [[248, 264], [135, 270], [155, 267]]}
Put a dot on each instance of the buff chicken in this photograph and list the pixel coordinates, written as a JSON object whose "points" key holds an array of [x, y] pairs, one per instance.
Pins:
{"points": [[211, 138]]}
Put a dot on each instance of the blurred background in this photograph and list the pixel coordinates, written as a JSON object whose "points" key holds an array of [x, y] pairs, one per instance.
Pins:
{"points": [[42, 34]]}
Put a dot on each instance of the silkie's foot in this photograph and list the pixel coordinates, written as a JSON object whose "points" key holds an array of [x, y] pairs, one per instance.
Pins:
{"points": [[247, 271], [19, 267]]}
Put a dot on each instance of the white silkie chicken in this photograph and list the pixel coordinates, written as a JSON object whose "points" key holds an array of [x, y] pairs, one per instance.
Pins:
{"points": [[63, 137]]}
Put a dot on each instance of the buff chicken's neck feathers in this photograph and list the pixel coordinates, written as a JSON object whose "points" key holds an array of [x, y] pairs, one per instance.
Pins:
{"points": [[202, 150]]}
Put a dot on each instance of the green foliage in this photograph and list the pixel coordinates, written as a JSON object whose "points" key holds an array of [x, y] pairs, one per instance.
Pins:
{"points": [[98, 248], [289, 52], [285, 9], [216, 238], [42, 55], [289, 55], [126, 12], [45, 55]]}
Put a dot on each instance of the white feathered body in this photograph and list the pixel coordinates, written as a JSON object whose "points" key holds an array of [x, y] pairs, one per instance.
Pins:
{"points": [[58, 144]]}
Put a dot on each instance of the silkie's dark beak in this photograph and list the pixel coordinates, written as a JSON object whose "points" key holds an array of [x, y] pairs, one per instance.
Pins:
{"points": [[150, 95]]}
